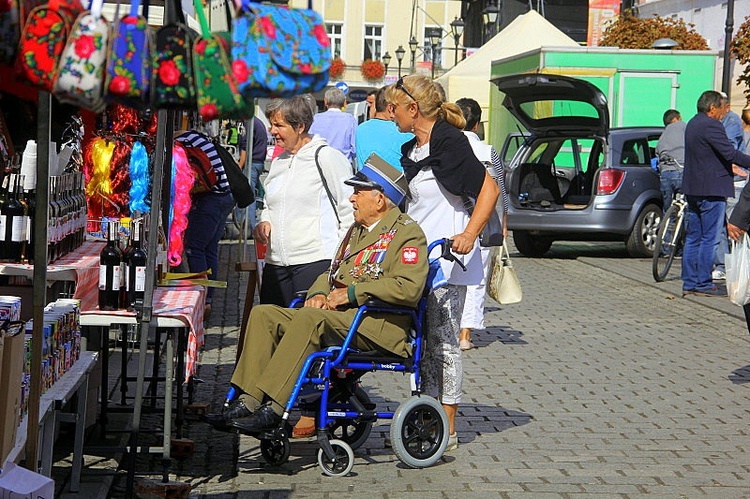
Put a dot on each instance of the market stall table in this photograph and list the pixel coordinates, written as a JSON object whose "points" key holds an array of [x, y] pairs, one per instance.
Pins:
{"points": [[174, 309], [80, 266]]}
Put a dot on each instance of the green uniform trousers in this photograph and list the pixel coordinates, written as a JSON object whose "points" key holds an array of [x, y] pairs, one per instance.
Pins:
{"points": [[278, 340]]}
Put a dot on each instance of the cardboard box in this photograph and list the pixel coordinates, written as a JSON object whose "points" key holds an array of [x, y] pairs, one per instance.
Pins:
{"points": [[20, 483], [11, 372]]}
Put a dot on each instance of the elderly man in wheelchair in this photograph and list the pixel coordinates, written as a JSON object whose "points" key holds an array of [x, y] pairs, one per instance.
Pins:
{"points": [[366, 302]]}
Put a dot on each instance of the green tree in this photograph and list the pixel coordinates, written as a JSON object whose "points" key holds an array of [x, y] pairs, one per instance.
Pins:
{"points": [[630, 32], [740, 47]]}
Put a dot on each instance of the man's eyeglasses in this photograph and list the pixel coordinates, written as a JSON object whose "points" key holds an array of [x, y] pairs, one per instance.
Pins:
{"points": [[400, 86]]}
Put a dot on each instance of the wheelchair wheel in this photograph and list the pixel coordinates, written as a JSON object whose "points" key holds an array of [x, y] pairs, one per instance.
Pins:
{"points": [[419, 431], [355, 433], [275, 450], [341, 464]]}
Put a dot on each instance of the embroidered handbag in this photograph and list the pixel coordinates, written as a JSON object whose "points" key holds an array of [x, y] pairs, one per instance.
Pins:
{"points": [[172, 72], [129, 66], [278, 51], [216, 93], [43, 40], [10, 30], [80, 76]]}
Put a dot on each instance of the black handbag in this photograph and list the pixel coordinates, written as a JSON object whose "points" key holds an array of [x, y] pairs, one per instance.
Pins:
{"points": [[492, 234], [172, 84], [242, 192]]}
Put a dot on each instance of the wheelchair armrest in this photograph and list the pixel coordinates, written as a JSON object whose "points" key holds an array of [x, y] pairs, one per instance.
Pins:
{"points": [[393, 308], [301, 294]]}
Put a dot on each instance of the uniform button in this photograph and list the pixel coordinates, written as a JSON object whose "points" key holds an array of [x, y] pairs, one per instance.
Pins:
{"points": [[341, 276]]}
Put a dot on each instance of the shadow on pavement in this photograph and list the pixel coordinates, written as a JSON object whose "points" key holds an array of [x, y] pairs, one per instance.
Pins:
{"points": [[741, 375]]}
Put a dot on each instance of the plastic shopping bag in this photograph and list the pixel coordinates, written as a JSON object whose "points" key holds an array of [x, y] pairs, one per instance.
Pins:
{"points": [[737, 263]]}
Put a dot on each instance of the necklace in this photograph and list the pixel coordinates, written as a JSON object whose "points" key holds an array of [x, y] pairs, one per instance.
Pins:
{"points": [[427, 141]]}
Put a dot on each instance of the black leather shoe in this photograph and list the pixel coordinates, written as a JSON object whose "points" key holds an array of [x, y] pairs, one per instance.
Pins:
{"points": [[236, 410], [262, 420]]}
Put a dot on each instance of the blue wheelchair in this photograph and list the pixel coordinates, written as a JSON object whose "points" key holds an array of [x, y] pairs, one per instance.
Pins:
{"points": [[329, 384]]}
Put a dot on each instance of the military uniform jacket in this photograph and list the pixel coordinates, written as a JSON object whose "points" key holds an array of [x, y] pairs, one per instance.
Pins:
{"points": [[388, 263]]}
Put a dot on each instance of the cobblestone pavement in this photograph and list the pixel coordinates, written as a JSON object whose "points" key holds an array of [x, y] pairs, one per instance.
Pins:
{"points": [[599, 383]]}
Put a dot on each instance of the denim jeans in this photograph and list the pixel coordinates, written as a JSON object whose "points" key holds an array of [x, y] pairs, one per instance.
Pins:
{"points": [[704, 215], [670, 182], [206, 222]]}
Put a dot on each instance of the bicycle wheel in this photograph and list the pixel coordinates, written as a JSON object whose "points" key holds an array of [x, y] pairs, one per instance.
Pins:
{"points": [[670, 235]]}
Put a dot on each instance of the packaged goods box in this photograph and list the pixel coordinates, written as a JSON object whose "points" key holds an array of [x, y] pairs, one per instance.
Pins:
{"points": [[11, 373]]}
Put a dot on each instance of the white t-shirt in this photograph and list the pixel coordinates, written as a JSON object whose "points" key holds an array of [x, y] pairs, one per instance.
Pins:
{"points": [[441, 214]]}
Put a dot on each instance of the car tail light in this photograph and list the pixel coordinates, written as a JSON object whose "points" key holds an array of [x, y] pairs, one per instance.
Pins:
{"points": [[610, 180]]}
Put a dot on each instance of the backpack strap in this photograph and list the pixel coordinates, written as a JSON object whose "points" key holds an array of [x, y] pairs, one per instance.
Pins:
{"points": [[325, 184]]}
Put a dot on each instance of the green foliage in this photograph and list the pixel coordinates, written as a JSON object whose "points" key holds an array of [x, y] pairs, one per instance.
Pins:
{"points": [[630, 32]]}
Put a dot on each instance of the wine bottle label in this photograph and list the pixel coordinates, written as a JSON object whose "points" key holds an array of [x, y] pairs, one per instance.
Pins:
{"points": [[3, 221], [127, 277], [18, 229], [140, 278], [29, 229], [102, 277], [123, 274], [116, 276]]}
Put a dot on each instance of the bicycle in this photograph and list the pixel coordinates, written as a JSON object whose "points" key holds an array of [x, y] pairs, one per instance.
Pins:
{"points": [[671, 237]]}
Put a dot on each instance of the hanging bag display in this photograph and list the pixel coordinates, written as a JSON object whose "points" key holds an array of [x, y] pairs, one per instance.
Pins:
{"points": [[43, 40], [503, 284], [217, 94], [172, 71], [129, 66], [80, 76], [10, 31], [278, 51]]}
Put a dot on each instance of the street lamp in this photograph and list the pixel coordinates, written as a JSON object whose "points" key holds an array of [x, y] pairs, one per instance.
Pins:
{"points": [[457, 29], [490, 14], [413, 43], [434, 40], [386, 60], [400, 57]]}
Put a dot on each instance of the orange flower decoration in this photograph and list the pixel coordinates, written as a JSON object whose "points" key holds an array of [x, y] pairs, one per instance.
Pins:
{"points": [[372, 70]]}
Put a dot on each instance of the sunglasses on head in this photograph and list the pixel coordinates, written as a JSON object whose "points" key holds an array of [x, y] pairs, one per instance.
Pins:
{"points": [[400, 86]]}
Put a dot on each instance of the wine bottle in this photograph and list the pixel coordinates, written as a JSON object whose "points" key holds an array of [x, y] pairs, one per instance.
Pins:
{"points": [[126, 245], [3, 202], [23, 225], [15, 223], [29, 189], [136, 282], [110, 260]]}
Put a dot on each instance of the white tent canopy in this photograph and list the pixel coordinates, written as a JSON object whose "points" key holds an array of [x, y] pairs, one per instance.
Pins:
{"points": [[470, 77]]}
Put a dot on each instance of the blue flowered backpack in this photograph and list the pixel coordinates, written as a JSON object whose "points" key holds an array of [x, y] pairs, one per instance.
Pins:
{"points": [[278, 51]]}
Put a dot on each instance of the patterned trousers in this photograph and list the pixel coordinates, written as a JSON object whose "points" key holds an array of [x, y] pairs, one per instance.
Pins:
{"points": [[442, 369]]}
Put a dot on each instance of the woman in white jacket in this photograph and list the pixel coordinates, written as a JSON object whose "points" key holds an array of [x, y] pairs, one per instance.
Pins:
{"points": [[306, 204]]}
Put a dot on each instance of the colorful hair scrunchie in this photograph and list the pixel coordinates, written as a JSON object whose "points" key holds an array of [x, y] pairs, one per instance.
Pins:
{"points": [[183, 182]]}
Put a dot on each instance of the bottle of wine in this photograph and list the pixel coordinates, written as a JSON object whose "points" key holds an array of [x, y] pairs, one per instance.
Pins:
{"points": [[3, 202], [136, 280], [23, 229], [53, 222], [110, 261], [15, 223], [29, 195]]}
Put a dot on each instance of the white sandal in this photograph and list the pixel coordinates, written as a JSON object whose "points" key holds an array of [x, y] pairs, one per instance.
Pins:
{"points": [[465, 344]]}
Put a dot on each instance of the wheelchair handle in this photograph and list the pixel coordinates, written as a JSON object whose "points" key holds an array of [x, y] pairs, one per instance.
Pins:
{"points": [[445, 245]]}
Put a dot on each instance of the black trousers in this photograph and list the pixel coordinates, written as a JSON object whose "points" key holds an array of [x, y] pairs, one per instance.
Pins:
{"points": [[280, 284]]}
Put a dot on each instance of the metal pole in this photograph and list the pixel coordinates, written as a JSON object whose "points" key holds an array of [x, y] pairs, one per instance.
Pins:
{"points": [[399, 69], [726, 77], [433, 60], [455, 58], [40, 273]]}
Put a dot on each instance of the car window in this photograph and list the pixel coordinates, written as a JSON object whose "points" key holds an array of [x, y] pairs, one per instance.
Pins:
{"points": [[510, 148], [635, 152]]}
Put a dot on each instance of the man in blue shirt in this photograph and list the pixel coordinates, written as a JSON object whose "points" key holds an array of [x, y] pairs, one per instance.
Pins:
{"points": [[336, 126], [707, 183], [380, 135]]}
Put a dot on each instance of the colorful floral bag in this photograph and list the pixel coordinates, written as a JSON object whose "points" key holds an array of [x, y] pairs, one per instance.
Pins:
{"points": [[129, 67], [278, 51], [172, 73], [43, 40], [10, 31], [80, 76], [216, 89]]}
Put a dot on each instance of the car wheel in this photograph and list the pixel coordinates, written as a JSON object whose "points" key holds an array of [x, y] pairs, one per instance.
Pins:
{"points": [[642, 239], [528, 245]]}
